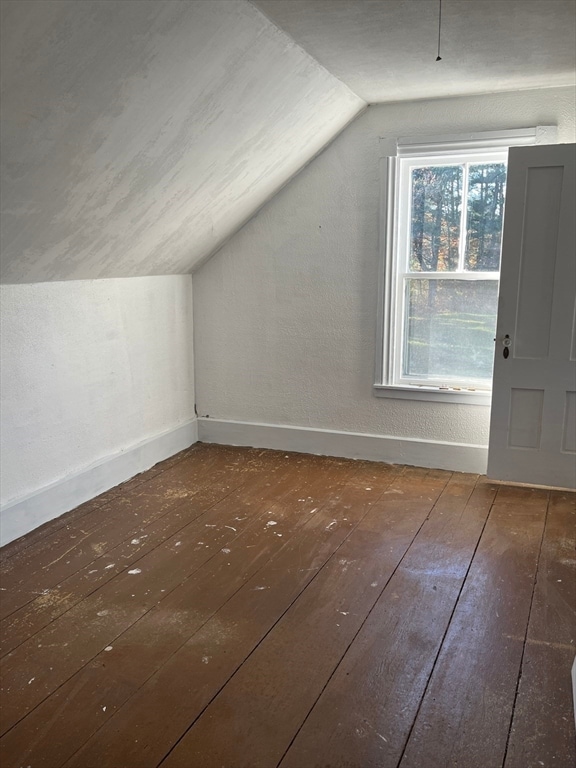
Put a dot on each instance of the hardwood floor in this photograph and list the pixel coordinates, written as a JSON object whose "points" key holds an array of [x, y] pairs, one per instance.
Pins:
{"points": [[237, 607]]}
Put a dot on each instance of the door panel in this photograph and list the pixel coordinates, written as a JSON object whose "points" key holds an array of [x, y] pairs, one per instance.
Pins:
{"points": [[569, 441], [533, 417], [525, 418]]}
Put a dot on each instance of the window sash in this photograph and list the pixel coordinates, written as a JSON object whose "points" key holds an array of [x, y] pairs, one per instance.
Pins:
{"points": [[470, 383], [401, 258], [403, 193]]}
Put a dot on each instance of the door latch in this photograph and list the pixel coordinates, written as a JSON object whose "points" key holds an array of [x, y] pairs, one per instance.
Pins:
{"points": [[507, 342]]}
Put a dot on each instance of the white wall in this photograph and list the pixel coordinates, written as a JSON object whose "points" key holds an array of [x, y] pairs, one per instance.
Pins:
{"points": [[285, 313], [91, 371]]}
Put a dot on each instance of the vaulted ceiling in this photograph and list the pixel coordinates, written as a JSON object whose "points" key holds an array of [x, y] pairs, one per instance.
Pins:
{"points": [[138, 136]]}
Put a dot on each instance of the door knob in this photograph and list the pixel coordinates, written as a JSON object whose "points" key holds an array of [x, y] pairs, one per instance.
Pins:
{"points": [[506, 341]]}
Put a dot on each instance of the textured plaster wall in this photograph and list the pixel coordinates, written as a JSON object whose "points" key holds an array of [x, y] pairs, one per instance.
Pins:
{"points": [[90, 369], [285, 313], [138, 135]]}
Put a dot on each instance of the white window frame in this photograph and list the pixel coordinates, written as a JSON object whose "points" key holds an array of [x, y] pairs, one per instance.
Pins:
{"points": [[415, 152]]}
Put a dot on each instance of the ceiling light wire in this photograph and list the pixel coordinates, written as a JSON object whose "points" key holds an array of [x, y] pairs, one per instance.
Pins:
{"points": [[439, 58]]}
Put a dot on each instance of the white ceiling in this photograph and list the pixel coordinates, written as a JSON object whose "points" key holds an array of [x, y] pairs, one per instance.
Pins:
{"points": [[385, 50], [138, 136]]}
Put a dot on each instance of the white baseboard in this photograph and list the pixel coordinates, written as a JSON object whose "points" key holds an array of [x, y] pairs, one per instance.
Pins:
{"points": [[24, 514], [457, 457]]}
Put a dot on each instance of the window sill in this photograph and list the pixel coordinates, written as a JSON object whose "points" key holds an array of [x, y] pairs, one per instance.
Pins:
{"points": [[464, 397]]}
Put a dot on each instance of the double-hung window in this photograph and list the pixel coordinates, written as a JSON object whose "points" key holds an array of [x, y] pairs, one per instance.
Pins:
{"points": [[443, 211]]}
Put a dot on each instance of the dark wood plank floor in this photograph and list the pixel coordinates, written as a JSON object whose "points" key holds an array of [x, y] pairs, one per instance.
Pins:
{"points": [[241, 608]]}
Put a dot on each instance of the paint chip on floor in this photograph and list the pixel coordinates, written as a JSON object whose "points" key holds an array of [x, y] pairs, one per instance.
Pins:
{"points": [[271, 522], [226, 551], [134, 571], [108, 648]]}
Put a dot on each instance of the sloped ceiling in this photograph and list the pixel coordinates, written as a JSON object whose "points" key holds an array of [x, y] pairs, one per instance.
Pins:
{"points": [[385, 50], [138, 136]]}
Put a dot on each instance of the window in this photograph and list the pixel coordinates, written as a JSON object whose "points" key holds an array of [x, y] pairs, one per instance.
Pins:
{"points": [[443, 214]]}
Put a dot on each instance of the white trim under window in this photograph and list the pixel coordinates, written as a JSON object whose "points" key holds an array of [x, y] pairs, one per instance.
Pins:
{"points": [[392, 377]]}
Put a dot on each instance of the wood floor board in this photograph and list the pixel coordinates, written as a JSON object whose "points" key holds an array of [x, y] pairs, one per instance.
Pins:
{"points": [[246, 608], [364, 715], [44, 534], [176, 483], [139, 540], [109, 691], [465, 716], [53, 602], [543, 726], [543, 730], [45, 608], [42, 567], [135, 512], [130, 596], [222, 644], [127, 598], [553, 614], [289, 672]]}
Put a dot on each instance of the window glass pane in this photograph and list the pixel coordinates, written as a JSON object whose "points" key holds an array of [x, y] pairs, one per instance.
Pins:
{"points": [[436, 203], [450, 327], [486, 190]]}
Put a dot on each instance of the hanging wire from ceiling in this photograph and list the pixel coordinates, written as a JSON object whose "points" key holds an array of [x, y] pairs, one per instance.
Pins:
{"points": [[439, 58]]}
